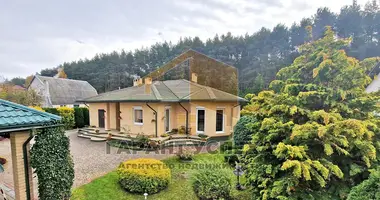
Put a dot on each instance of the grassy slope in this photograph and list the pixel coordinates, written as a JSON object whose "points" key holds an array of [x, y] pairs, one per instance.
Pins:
{"points": [[180, 188]]}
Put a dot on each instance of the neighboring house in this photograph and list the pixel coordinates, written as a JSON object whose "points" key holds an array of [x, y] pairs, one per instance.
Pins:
{"points": [[374, 86], [58, 92], [156, 107]]}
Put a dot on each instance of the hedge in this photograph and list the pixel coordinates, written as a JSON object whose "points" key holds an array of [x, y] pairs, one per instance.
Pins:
{"points": [[52, 163], [67, 115], [79, 117], [53, 111], [86, 116]]}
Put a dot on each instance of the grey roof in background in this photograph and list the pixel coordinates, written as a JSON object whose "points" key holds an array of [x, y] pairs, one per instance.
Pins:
{"points": [[166, 91], [374, 86], [67, 91]]}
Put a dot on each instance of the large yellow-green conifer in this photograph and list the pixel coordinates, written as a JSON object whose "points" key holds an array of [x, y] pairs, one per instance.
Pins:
{"points": [[316, 134]]}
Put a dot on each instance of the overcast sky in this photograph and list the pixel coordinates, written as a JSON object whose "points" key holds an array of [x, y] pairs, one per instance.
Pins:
{"points": [[42, 34]]}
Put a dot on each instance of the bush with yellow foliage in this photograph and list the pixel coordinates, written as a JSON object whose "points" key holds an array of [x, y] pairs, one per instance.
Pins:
{"points": [[144, 175]]}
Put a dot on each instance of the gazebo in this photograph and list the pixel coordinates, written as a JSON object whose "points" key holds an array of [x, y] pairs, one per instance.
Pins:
{"points": [[18, 122]]}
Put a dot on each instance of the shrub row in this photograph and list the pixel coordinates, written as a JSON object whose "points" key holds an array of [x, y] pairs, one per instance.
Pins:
{"points": [[71, 117]]}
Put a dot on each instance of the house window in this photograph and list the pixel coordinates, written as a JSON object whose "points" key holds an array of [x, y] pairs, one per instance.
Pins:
{"points": [[201, 120], [220, 120], [138, 115]]}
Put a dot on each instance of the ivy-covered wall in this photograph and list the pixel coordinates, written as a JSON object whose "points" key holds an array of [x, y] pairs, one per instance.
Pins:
{"points": [[52, 163]]}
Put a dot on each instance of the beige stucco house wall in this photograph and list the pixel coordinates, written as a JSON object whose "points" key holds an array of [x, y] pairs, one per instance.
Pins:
{"points": [[195, 86], [231, 114]]}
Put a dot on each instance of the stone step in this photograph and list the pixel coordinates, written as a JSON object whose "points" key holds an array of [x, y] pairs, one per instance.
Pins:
{"points": [[182, 141], [84, 136], [121, 138], [94, 132], [96, 139], [93, 135]]}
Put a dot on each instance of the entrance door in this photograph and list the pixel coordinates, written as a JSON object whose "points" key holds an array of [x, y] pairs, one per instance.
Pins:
{"points": [[167, 119], [101, 118]]}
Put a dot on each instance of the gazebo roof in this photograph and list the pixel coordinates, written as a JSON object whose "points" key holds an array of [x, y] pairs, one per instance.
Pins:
{"points": [[14, 116]]}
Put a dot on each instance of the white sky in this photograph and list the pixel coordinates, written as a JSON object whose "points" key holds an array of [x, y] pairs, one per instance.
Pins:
{"points": [[41, 34]]}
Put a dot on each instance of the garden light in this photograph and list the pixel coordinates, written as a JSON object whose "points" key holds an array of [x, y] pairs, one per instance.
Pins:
{"points": [[238, 172]]}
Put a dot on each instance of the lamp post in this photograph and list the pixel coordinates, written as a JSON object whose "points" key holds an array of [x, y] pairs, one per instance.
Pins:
{"points": [[146, 195], [238, 172]]}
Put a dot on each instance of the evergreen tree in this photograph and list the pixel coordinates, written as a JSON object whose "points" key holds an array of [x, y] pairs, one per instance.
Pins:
{"points": [[316, 135], [323, 18], [263, 52]]}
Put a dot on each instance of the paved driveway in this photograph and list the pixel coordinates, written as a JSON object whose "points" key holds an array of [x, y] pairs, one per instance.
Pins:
{"points": [[91, 159]]}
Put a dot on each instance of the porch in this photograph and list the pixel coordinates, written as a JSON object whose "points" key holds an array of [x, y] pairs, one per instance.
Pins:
{"points": [[175, 139]]}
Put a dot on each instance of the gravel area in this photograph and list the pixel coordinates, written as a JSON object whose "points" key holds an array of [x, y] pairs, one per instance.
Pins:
{"points": [[94, 159], [91, 159]]}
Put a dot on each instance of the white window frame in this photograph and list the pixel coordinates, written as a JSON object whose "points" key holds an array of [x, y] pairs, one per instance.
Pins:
{"points": [[134, 117], [197, 109], [223, 123], [170, 115]]}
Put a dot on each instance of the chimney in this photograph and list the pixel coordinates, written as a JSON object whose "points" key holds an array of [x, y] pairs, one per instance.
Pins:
{"points": [[194, 77], [148, 84], [137, 82], [148, 80]]}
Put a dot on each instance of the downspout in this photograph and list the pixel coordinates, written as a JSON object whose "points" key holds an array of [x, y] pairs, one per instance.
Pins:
{"points": [[233, 108], [187, 118], [26, 164], [155, 116]]}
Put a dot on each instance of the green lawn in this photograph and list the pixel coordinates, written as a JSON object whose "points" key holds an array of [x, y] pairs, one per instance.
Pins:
{"points": [[107, 187]]}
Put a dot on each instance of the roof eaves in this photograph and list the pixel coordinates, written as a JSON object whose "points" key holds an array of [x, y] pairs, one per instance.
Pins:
{"points": [[127, 100], [55, 117]]}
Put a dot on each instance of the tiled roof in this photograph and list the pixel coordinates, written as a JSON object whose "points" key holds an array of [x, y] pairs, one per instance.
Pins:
{"points": [[16, 116], [374, 86], [166, 91], [67, 91]]}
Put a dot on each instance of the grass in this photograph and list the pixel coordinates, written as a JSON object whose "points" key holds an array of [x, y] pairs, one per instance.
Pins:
{"points": [[180, 188]]}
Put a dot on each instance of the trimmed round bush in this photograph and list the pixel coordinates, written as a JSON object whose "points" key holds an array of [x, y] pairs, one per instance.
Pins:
{"points": [[212, 184], [242, 135], [144, 175]]}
